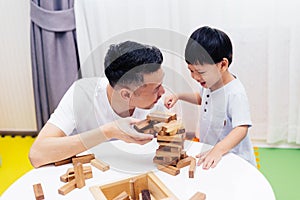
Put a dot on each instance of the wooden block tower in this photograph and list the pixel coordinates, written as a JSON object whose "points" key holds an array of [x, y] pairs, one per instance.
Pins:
{"points": [[170, 134]]}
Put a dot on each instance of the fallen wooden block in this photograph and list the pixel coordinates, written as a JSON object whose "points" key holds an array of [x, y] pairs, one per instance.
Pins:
{"points": [[67, 187], [38, 191], [63, 162], [100, 164], [184, 162], [169, 169], [198, 196], [192, 168], [83, 159]]}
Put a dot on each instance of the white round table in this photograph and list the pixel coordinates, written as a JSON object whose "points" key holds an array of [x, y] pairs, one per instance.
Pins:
{"points": [[232, 179]]}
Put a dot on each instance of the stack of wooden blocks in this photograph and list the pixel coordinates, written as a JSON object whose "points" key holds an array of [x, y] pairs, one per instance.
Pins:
{"points": [[170, 155]]}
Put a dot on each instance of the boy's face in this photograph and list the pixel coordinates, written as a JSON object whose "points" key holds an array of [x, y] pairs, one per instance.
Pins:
{"points": [[148, 94], [208, 75]]}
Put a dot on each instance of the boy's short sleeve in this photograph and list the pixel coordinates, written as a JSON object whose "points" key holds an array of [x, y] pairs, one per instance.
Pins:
{"points": [[239, 110], [63, 116]]}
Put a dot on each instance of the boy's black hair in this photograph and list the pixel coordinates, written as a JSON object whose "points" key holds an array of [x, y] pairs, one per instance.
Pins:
{"points": [[127, 62], [207, 45]]}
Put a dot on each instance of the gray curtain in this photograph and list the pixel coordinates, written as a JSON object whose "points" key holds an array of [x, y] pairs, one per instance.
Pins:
{"points": [[55, 62]]}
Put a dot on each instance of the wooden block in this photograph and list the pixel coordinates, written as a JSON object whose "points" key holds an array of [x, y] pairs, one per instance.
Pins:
{"points": [[183, 155], [63, 162], [160, 117], [184, 162], [79, 176], [171, 144], [192, 168], [170, 149], [165, 160], [122, 196], [99, 164], [67, 178], [85, 169], [143, 125], [132, 189], [173, 138], [38, 191], [161, 152], [67, 187], [169, 169], [83, 159], [157, 127], [198, 196]]}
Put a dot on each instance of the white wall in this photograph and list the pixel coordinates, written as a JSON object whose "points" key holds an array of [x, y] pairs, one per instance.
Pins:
{"points": [[17, 111]]}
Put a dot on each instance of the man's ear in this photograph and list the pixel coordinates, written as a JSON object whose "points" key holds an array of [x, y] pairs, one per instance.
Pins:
{"points": [[125, 93]]}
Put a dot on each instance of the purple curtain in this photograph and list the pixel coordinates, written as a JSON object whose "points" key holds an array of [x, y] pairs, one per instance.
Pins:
{"points": [[54, 54]]}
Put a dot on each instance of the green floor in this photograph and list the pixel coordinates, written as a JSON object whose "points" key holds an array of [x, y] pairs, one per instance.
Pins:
{"points": [[280, 166]]}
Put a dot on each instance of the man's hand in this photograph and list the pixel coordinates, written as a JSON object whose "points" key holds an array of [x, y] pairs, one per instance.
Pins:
{"points": [[122, 129]]}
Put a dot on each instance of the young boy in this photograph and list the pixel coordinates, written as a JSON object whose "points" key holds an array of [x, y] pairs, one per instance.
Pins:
{"points": [[225, 115]]}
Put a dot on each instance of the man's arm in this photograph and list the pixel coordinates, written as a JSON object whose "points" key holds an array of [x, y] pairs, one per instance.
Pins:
{"points": [[52, 145]]}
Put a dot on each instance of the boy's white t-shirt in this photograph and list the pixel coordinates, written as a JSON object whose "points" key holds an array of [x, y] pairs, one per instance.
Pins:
{"points": [[85, 106], [221, 111]]}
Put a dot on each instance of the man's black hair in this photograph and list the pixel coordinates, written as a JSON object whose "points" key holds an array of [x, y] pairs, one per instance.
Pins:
{"points": [[127, 62]]}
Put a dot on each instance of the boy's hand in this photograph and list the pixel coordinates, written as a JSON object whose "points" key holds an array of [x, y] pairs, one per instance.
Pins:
{"points": [[170, 101], [209, 159]]}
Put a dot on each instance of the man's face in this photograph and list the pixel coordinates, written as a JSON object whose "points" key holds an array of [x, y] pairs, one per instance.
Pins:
{"points": [[148, 94]]}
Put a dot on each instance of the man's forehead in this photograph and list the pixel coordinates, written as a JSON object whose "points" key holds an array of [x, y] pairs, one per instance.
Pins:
{"points": [[155, 77]]}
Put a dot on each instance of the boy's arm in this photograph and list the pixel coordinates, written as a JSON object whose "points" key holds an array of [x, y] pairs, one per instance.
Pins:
{"points": [[193, 98], [212, 157]]}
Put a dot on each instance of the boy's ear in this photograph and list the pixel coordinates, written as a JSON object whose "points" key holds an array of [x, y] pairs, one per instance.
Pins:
{"points": [[125, 93], [224, 64]]}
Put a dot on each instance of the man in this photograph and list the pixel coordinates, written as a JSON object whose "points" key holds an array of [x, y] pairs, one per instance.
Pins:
{"points": [[96, 110]]}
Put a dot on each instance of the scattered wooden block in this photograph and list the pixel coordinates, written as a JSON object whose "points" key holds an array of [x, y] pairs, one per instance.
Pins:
{"points": [[198, 196], [67, 187], [83, 159], [132, 188], [38, 191], [99, 164], [184, 162], [79, 176], [63, 162], [192, 168], [122, 196], [67, 178], [169, 169]]}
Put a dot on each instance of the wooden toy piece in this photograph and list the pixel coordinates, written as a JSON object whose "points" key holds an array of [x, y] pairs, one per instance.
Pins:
{"points": [[70, 175], [172, 127], [161, 152], [161, 116], [198, 196], [173, 138], [63, 162], [192, 168], [83, 159], [169, 169], [171, 144], [183, 155], [142, 125], [99, 164], [165, 160], [38, 191], [157, 127], [146, 195], [122, 196], [184, 162], [132, 189], [79, 176], [67, 187]]}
